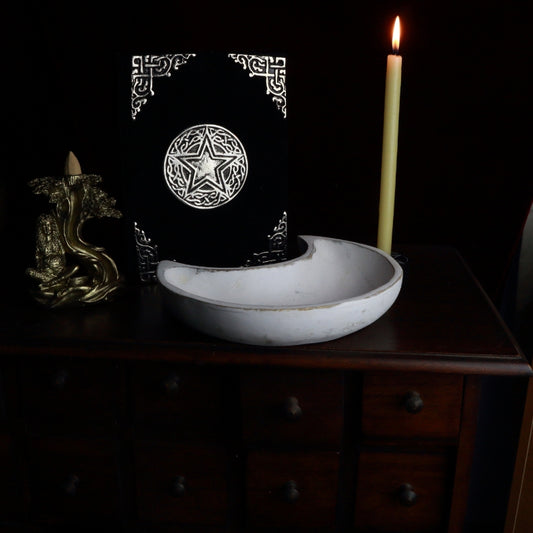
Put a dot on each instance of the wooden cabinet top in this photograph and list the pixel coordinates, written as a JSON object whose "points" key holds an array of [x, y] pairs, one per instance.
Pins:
{"points": [[442, 321]]}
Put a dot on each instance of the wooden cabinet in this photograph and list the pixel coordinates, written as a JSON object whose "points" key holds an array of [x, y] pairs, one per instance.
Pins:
{"points": [[410, 426], [412, 406], [68, 433], [520, 511], [403, 490], [282, 408], [13, 494], [181, 460], [117, 415], [72, 479], [174, 401], [66, 395], [293, 439], [181, 484], [298, 488], [12, 497]]}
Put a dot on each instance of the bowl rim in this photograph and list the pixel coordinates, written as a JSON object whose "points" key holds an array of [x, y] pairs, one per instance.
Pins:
{"points": [[310, 240]]}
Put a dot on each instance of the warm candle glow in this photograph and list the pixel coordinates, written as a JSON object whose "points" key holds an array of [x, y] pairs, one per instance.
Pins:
{"points": [[396, 35]]}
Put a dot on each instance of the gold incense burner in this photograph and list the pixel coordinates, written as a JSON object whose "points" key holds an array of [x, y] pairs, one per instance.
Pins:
{"points": [[70, 271]]}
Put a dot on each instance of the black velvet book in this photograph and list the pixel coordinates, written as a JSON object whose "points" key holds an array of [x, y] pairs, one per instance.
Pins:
{"points": [[205, 159]]}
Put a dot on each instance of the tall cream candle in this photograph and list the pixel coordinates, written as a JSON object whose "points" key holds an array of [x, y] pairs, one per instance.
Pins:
{"points": [[390, 142]]}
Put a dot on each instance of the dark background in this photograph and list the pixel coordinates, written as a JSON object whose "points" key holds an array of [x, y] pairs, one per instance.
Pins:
{"points": [[463, 173]]}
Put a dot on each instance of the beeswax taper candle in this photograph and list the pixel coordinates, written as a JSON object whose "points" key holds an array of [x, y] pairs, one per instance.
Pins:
{"points": [[390, 142]]}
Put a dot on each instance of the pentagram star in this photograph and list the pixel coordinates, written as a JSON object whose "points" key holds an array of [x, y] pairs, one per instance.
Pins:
{"points": [[206, 168]]}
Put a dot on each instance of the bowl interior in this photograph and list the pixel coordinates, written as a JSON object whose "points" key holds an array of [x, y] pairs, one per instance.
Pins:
{"points": [[333, 271]]}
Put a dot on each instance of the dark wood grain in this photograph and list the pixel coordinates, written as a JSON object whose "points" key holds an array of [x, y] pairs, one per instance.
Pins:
{"points": [[380, 477], [264, 394], [52, 462], [316, 477], [13, 496], [441, 322], [177, 401], [204, 469], [9, 396], [13, 501], [465, 454], [520, 508], [146, 402], [69, 395], [385, 413]]}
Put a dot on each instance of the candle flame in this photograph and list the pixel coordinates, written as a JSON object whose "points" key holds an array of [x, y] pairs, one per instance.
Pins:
{"points": [[396, 35]]}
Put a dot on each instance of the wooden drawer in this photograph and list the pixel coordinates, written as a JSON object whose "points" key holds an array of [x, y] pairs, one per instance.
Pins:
{"points": [[8, 394], [64, 396], [181, 484], [292, 489], [172, 401], [3, 413], [292, 407], [12, 496], [73, 478], [413, 405], [400, 491]]}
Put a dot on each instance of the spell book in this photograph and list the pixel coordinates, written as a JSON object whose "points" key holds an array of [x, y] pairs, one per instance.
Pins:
{"points": [[205, 159]]}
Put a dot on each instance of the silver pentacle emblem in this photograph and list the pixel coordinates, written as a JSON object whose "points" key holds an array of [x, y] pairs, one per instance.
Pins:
{"points": [[206, 166]]}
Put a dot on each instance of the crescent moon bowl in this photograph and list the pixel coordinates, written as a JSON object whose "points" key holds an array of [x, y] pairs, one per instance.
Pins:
{"points": [[334, 288]]}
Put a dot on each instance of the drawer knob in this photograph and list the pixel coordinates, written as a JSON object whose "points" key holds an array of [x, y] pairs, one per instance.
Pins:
{"points": [[177, 487], [413, 402], [407, 495], [290, 492], [171, 385], [60, 379], [292, 409], [71, 484]]}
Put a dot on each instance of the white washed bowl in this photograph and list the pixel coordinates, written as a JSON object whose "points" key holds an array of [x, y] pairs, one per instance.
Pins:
{"points": [[334, 288]]}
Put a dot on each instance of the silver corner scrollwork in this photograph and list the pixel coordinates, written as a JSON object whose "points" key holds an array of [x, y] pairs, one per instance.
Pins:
{"points": [[273, 69], [147, 255], [144, 69], [277, 246]]}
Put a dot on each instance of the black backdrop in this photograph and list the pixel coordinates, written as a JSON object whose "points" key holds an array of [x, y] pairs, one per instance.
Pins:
{"points": [[463, 167]]}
